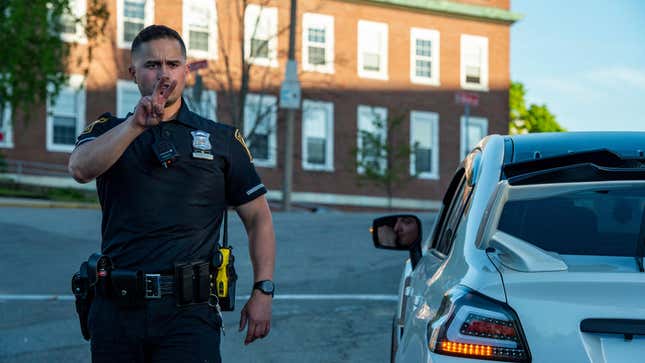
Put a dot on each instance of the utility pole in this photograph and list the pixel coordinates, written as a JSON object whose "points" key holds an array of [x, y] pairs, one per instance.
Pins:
{"points": [[290, 100]]}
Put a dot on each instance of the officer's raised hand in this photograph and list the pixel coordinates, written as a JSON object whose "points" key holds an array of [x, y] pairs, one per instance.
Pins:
{"points": [[150, 109]]}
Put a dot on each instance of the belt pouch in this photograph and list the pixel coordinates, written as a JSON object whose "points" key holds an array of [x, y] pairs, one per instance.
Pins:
{"points": [[184, 283], [201, 287], [127, 287]]}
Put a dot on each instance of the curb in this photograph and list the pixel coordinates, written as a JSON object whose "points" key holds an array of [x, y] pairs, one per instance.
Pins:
{"points": [[35, 203]]}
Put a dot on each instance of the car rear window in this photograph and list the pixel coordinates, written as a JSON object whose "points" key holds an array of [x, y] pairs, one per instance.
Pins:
{"points": [[591, 222]]}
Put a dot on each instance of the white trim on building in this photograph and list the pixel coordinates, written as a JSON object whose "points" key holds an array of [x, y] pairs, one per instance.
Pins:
{"points": [[424, 130], [137, 20], [372, 50], [318, 34], [424, 56], [317, 124], [68, 107]]}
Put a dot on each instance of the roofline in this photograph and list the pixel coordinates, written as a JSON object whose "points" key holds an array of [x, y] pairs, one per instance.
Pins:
{"points": [[452, 8]]}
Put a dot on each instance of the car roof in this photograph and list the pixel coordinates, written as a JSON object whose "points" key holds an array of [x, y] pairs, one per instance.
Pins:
{"points": [[628, 145]]}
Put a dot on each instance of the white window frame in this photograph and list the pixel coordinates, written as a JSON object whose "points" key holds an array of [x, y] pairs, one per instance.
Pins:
{"points": [[328, 108], [433, 37], [79, 36], [367, 29], [208, 97], [149, 18], [474, 41], [75, 84], [7, 129], [327, 23], [367, 112], [212, 29], [472, 120], [433, 119], [121, 86], [265, 101], [251, 15]]}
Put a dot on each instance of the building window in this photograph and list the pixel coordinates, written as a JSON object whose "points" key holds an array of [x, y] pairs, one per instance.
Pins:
{"points": [[473, 129], [200, 28], [127, 97], [6, 129], [318, 43], [474, 62], [66, 116], [132, 17], [206, 106], [260, 35], [424, 144], [317, 135], [372, 50], [424, 56], [372, 129], [73, 31], [260, 113]]}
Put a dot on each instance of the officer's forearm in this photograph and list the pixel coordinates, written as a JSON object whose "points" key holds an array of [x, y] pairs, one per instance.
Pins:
{"points": [[262, 250], [259, 228], [93, 158]]}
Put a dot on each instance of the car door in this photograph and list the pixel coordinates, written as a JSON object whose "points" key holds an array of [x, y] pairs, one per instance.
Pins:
{"points": [[416, 307]]}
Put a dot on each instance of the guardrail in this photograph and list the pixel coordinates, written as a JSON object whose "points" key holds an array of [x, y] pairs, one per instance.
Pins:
{"points": [[22, 167]]}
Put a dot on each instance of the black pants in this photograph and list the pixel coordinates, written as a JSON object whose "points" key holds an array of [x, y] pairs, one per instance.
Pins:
{"points": [[157, 332]]}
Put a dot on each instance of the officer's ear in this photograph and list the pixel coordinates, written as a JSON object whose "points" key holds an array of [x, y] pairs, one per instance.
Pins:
{"points": [[133, 74]]}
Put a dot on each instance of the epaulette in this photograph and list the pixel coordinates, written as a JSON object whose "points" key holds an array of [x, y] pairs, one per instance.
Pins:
{"points": [[102, 119], [240, 139]]}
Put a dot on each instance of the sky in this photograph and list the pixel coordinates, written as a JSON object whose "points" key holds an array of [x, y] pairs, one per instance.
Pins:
{"points": [[584, 59]]}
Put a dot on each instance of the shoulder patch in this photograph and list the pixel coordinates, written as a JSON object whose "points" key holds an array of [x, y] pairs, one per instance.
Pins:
{"points": [[240, 139], [90, 127]]}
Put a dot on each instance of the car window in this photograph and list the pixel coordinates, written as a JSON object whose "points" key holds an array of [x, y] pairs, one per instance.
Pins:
{"points": [[446, 235], [601, 222], [447, 202]]}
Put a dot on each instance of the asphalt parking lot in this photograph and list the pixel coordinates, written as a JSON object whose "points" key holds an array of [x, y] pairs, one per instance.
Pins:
{"points": [[334, 302]]}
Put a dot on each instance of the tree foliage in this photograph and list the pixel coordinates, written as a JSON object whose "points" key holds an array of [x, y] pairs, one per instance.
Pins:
{"points": [[35, 57], [380, 159], [535, 118]]}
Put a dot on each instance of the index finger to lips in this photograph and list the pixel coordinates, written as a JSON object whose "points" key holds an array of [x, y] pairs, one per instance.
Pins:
{"points": [[160, 87]]}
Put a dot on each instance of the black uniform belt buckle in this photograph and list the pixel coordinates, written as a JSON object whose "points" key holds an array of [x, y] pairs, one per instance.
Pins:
{"points": [[153, 286]]}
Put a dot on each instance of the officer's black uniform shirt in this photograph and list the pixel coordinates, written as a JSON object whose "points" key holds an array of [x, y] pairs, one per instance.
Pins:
{"points": [[155, 216]]}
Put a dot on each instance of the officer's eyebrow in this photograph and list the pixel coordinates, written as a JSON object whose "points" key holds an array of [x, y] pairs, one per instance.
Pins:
{"points": [[174, 62]]}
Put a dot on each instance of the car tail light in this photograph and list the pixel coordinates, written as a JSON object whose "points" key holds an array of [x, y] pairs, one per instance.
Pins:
{"points": [[472, 325]]}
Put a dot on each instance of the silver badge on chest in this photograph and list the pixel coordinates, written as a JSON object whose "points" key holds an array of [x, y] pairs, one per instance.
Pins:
{"points": [[201, 145]]}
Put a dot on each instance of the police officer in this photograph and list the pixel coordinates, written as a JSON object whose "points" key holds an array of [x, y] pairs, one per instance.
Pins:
{"points": [[164, 178]]}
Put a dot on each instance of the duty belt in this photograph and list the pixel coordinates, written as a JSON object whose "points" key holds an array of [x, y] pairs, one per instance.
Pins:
{"points": [[157, 285]]}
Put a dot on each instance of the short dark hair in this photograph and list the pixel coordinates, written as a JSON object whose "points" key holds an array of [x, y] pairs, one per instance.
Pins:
{"points": [[154, 32]]}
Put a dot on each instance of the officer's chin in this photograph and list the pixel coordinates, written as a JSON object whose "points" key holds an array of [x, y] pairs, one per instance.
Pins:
{"points": [[171, 101]]}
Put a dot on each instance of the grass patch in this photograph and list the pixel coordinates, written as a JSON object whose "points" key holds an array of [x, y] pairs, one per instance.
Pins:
{"points": [[13, 190]]}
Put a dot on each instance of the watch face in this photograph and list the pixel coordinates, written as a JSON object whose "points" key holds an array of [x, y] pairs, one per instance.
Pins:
{"points": [[266, 286]]}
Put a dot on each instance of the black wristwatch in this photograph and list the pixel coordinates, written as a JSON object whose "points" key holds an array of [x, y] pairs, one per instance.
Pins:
{"points": [[265, 286]]}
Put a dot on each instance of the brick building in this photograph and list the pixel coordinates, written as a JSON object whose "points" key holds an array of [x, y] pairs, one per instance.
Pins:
{"points": [[357, 60]]}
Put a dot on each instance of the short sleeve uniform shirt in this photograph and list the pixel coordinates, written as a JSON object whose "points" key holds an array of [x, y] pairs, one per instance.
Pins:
{"points": [[155, 216]]}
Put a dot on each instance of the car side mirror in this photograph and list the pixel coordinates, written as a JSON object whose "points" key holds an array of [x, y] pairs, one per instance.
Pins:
{"points": [[396, 232]]}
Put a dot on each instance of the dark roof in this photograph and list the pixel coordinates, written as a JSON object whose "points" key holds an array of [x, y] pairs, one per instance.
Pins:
{"points": [[628, 145]]}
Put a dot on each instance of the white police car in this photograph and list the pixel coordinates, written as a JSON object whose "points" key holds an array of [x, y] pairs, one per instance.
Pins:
{"points": [[535, 256]]}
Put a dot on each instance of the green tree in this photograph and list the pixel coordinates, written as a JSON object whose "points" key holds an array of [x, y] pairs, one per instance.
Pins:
{"points": [[537, 118], [35, 57], [380, 159]]}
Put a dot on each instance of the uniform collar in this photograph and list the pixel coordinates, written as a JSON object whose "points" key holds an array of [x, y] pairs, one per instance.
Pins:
{"points": [[186, 116]]}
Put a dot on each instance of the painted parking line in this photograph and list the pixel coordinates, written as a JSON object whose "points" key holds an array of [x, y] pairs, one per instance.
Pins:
{"points": [[317, 297]]}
